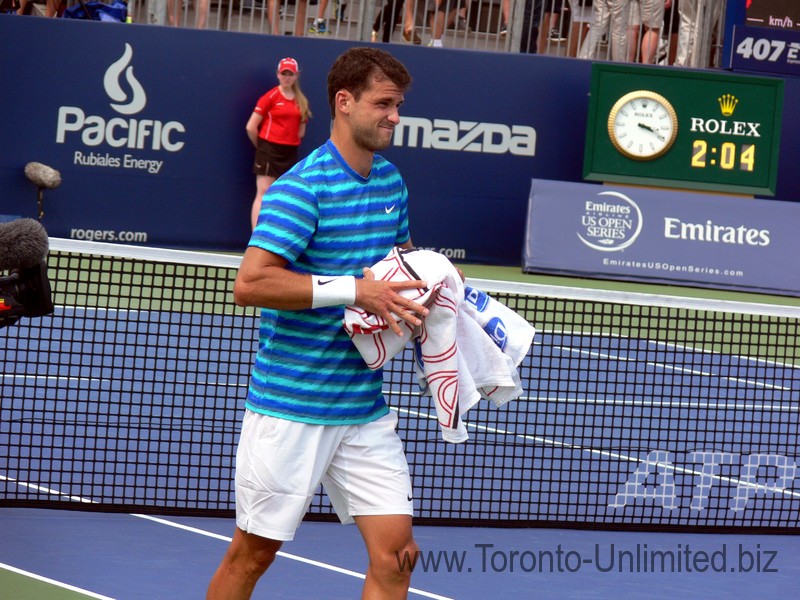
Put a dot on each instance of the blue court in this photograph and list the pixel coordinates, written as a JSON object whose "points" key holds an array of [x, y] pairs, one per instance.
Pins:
{"points": [[622, 425], [142, 408], [129, 557]]}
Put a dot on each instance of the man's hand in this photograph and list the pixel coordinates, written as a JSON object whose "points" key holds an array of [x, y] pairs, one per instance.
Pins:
{"points": [[382, 298]]}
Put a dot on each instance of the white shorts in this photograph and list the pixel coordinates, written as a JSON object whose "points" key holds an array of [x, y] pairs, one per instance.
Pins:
{"points": [[280, 464], [649, 13]]}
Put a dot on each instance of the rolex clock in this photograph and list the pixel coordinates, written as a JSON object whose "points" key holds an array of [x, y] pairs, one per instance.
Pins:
{"points": [[642, 125], [686, 129]]}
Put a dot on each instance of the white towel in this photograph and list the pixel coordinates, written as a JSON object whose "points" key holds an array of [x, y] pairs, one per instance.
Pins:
{"points": [[467, 348]]}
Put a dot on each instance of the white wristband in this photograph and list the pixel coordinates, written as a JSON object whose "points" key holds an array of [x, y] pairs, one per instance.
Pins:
{"points": [[332, 291]]}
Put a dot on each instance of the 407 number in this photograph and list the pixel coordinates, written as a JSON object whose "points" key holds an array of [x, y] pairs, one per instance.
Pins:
{"points": [[762, 49]]}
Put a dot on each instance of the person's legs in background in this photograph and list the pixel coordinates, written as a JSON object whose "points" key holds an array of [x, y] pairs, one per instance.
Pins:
{"points": [[531, 12], [437, 20], [409, 24], [319, 25]]}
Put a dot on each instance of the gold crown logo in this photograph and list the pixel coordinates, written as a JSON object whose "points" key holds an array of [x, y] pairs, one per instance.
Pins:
{"points": [[727, 104]]}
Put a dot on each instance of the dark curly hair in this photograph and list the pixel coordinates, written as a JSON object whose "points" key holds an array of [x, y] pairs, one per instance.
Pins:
{"points": [[353, 70]]}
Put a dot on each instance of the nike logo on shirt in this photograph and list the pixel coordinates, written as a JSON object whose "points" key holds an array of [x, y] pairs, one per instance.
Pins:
{"points": [[389, 209]]}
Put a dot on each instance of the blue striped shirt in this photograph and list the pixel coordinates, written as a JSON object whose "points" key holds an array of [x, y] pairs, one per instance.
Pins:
{"points": [[324, 219]]}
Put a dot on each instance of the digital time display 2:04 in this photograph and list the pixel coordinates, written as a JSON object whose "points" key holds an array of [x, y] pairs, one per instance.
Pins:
{"points": [[728, 157]]}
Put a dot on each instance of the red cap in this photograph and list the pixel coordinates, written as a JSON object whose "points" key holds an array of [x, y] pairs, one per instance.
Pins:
{"points": [[287, 64]]}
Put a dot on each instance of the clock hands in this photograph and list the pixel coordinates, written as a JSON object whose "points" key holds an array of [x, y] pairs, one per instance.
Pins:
{"points": [[651, 129]]}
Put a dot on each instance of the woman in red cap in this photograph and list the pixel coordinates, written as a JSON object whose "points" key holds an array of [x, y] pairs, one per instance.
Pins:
{"points": [[275, 128]]}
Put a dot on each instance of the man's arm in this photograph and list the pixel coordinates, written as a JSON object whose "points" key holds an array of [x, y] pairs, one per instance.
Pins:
{"points": [[264, 281]]}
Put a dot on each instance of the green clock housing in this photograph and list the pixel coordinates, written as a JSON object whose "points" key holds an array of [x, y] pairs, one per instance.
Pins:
{"points": [[668, 127]]}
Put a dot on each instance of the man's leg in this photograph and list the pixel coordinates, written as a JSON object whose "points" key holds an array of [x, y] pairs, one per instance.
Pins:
{"points": [[300, 17], [392, 552], [246, 560], [619, 11], [650, 39]]}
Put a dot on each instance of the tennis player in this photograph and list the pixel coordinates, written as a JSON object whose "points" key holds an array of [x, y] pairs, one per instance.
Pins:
{"points": [[314, 411]]}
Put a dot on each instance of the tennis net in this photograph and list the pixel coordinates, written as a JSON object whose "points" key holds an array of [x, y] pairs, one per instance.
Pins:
{"points": [[639, 411]]}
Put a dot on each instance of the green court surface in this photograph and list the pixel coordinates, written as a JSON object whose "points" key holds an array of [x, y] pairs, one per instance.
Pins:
{"points": [[18, 585]]}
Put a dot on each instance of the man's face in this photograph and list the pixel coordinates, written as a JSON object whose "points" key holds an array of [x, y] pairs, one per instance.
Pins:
{"points": [[374, 115]]}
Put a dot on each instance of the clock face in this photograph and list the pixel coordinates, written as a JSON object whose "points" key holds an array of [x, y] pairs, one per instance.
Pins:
{"points": [[642, 125]]}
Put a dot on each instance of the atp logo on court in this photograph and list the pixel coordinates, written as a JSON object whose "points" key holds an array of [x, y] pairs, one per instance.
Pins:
{"points": [[611, 223], [119, 130]]}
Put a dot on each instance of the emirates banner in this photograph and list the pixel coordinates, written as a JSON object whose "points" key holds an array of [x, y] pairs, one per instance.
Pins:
{"points": [[662, 236]]}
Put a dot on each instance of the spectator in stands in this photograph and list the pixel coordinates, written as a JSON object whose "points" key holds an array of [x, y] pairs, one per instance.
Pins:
{"points": [[531, 13], [646, 19], [551, 30], [389, 16], [697, 18], [580, 18], [320, 25], [443, 13], [201, 18], [50, 7], [505, 7], [610, 19], [276, 128], [460, 23], [669, 37], [175, 8], [275, 15]]}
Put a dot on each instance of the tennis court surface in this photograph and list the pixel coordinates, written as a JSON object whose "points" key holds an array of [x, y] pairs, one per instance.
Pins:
{"points": [[641, 414], [127, 557]]}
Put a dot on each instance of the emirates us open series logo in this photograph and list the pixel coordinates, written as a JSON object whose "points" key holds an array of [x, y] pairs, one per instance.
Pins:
{"points": [[610, 223], [119, 129]]}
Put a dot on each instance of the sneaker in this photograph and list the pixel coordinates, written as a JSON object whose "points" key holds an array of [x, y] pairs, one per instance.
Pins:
{"points": [[409, 35], [318, 26], [460, 24], [555, 36], [504, 29]]}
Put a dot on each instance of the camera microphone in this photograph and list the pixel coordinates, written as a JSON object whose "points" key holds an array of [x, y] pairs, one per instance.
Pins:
{"points": [[23, 244], [25, 291]]}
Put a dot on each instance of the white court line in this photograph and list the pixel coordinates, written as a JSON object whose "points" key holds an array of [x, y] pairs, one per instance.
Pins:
{"points": [[60, 584], [223, 538], [709, 405], [48, 490], [669, 345], [609, 454], [283, 554], [667, 367]]}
